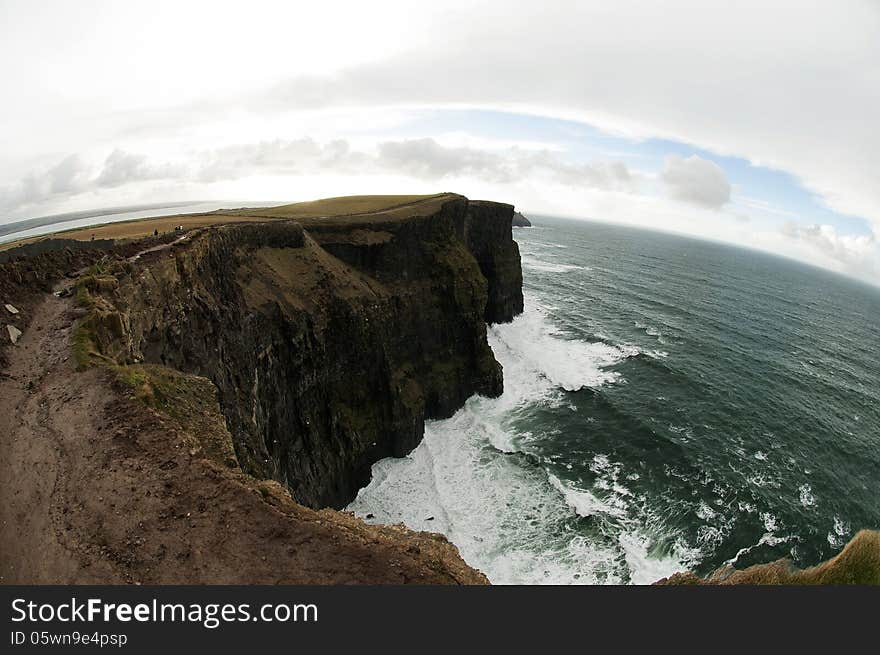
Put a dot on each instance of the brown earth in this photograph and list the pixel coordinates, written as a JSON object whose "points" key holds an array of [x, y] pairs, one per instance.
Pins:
{"points": [[99, 488]]}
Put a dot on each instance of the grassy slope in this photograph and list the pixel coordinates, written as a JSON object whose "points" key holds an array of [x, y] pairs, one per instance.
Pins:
{"points": [[857, 564], [388, 206], [342, 206]]}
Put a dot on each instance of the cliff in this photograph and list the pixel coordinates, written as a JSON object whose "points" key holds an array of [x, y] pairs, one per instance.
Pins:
{"points": [[247, 365], [329, 339]]}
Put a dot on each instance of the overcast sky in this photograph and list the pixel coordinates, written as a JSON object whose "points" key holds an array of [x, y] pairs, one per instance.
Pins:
{"points": [[750, 122]]}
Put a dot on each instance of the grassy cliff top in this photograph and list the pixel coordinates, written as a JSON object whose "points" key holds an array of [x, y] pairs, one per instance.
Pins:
{"points": [[384, 207], [348, 206]]}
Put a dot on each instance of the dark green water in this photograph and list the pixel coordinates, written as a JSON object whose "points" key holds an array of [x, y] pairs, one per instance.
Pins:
{"points": [[669, 404]]}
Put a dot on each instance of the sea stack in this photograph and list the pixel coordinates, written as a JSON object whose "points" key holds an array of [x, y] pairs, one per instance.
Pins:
{"points": [[520, 221]]}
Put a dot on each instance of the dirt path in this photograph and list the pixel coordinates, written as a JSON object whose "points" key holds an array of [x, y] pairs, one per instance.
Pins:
{"points": [[97, 488], [34, 394], [163, 246]]}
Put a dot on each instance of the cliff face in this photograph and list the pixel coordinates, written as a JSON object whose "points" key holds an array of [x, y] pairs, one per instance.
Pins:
{"points": [[489, 240], [330, 340]]}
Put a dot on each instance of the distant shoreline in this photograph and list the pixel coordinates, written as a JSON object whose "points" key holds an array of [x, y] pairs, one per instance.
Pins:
{"points": [[46, 225]]}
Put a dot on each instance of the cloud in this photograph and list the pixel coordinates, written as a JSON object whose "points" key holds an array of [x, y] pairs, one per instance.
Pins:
{"points": [[122, 167], [746, 99], [423, 159], [279, 157], [426, 158], [72, 176], [858, 255], [696, 180], [68, 177]]}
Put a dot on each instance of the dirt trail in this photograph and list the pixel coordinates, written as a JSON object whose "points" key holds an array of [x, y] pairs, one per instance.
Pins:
{"points": [[97, 488], [34, 394]]}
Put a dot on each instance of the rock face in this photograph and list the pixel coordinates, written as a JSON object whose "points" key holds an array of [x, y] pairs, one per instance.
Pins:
{"points": [[330, 340], [521, 221], [489, 240]]}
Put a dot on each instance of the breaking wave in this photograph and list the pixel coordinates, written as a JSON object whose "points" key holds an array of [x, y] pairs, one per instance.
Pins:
{"points": [[473, 479]]}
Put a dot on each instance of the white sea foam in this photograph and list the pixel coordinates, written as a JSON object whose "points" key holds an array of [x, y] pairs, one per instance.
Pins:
{"points": [[529, 261], [509, 515], [646, 567], [538, 360], [767, 539], [771, 523], [839, 533], [585, 503], [806, 495]]}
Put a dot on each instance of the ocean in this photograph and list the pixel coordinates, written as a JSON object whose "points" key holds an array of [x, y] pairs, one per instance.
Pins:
{"points": [[669, 404]]}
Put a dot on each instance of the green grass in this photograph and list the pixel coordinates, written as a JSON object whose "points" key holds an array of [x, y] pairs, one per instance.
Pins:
{"points": [[344, 206], [857, 564], [84, 346], [189, 400]]}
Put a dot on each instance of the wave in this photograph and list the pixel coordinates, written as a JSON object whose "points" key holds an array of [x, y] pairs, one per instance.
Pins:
{"points": [[550, 267], [512, 514], [539, 359]]}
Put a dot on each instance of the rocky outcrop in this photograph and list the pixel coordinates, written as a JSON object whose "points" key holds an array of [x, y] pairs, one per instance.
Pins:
{"points": [[489, 239], [521, 221], [331, 340]]}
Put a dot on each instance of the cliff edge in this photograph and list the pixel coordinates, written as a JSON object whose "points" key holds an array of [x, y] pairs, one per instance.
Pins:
{"points": [[331, 339], [236, 378]]}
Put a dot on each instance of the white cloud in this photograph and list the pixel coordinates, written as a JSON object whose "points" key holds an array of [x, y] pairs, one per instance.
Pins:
{"points": [[66, 178], [696, 180], [792, 85], [73, 176], [411, 158], [745, 79], [123, 167], [857, 255], [277, 157]]}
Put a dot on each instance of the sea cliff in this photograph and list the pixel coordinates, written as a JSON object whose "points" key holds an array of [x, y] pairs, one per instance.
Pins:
{"points": [[234, 379], [330, 339]]}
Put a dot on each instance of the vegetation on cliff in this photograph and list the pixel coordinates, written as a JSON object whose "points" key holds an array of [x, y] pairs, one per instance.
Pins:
{"points": [[857, 564], [331, 339], [272, 357]]}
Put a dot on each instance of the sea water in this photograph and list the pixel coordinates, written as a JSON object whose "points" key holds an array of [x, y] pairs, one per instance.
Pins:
{"points": [[669, 404]]}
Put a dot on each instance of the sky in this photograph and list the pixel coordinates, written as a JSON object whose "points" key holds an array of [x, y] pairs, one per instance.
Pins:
{"points": [[754, 123]]}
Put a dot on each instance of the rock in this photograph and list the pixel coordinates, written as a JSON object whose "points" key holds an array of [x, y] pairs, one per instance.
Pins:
{"points": [[330, 342], [490, 240], [14, 333], [11, 309], [521, 221]]}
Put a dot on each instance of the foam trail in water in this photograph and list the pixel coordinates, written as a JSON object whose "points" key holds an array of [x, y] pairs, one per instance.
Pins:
{"points": [[536, 264], [508, 515]]}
